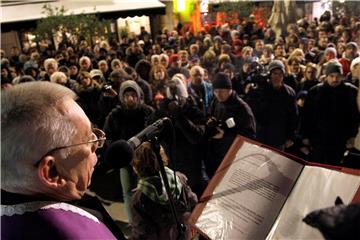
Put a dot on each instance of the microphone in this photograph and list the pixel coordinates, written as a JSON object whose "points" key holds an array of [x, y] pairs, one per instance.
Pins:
{"points": [[148, 133], [120, 153]]}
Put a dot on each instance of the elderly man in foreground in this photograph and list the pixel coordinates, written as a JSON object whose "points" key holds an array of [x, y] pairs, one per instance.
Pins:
{"points": [[47, 159]]}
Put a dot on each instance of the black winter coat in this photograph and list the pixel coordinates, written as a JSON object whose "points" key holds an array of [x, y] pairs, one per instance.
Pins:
{"points": [[124, 123], [245, 125], [331, 116], [276, 115]]}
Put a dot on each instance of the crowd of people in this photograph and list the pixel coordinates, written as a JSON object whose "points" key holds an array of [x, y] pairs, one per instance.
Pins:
{"points": [[297, 93]]}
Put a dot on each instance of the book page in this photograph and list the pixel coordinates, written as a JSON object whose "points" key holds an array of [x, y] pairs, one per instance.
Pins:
{"points": [[245, 204], [316, 188]]}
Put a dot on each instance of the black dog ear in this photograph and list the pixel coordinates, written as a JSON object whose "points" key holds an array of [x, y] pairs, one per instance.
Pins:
{"points": [[338, 201]]}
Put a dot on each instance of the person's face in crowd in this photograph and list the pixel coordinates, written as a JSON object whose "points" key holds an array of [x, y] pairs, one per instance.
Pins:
{"points": [[248, 54], [222, 94], [164, 62], [14, 51], [323, 42], [350, 52], [246, 67], [131, 99], [329, 56], [276, 77], [169, 52], [355, 72], [51, 69], [322, 34], [303, 47], [73, 70], [229, 73], [117, 66], [345, 35], [4, 73], [97, 78], [197, 77], [157, 49], [103, 67], [33, 73], [291, 49], [310, 74], [85, 81], [135, 48], [146, 37], [334, 79], [237, 48], [159, 75], [300, 102], [259, 46], [311, 44], [280, 51], [295, 67], [78, 167], [206, 75], [340, 49], [183, 59], [156, 61], [176, 63], [85, 65], [193, 50], [217, 44], [267, 53], [290, 29]]}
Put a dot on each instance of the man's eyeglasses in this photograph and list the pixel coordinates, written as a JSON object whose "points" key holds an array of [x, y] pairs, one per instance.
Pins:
{"points": [[98, 139]]}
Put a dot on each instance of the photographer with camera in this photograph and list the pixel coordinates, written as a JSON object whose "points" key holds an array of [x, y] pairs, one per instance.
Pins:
{"points": [[189, 124], [230, 116], [275, 109]]}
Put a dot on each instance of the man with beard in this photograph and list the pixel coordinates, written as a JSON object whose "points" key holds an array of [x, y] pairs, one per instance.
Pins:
{"points": [[331, 117]]}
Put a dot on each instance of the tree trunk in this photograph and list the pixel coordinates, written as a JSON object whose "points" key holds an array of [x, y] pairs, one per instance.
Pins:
{"points": [[283, 13]]}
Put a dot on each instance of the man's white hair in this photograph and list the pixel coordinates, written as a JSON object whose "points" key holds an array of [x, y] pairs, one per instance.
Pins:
{"points": [[58, 77], [32, 123], [85, 58], [49, 61]]}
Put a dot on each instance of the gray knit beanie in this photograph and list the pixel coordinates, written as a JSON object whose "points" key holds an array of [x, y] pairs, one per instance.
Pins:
{"points": [[333, 66]]}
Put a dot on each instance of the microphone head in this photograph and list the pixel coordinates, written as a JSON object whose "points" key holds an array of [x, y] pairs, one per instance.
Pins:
{"points": [[119, 154]]}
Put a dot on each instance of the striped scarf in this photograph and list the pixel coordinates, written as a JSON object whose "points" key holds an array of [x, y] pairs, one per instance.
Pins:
{"points": [[147, 188]]}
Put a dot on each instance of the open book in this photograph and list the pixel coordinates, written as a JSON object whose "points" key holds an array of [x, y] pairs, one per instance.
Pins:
{"points": [[259, 193]]}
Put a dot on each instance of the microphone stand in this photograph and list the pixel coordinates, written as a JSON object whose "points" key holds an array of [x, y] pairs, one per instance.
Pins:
{"points": [[156, 148]]}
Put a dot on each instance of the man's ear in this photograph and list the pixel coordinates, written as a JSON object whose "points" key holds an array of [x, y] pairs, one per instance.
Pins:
{"points": [[48, 173]]}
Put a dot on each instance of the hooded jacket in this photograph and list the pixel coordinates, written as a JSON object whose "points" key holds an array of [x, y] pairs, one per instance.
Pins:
{"points": [[123, 122]]}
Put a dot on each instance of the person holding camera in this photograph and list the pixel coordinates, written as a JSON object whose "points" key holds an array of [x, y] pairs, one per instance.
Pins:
{"points": [[276, 111], [189, 124], [230, 116]]}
